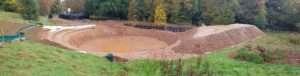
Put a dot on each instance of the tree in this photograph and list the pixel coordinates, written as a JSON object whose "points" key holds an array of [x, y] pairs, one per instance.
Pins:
{"points": [[56, 7], [160, 15], [219, 11], [10, 5], [283, 14], [145, 9], [185, 12], [196, 12], [1, 4], [132, 10], [30, 10], [45, 6], [253, 12], [172, 10], [107, 8], [260, 20]]}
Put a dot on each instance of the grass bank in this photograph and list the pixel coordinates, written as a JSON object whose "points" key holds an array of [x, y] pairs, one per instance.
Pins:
{"points": [[17, 18], [35, 59]]}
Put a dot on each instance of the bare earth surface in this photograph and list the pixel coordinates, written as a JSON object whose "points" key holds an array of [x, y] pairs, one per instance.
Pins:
{"points": [[63, 22], [132, 43], [126, 44]]}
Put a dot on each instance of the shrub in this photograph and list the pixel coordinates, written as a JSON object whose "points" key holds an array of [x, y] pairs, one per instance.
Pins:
{"points": [[267, 56], [242, 53], [254, 55], [294, 41], [251, 56]]}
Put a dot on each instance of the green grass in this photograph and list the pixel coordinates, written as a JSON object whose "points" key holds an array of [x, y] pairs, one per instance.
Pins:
{"points": [[12, 17], [28, 58], [34, 59], [280, 40], [17, 18], [222, 65]]}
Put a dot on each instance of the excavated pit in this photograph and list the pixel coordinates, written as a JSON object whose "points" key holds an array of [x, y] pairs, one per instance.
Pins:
{"points": [[133, 43], [124, 44]]}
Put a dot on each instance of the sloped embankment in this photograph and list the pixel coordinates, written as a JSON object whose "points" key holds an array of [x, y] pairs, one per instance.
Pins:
{"points": [[214, 38]]}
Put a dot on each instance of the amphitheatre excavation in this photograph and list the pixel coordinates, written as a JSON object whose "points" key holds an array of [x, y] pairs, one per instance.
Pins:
{"points": [[134, 43]]}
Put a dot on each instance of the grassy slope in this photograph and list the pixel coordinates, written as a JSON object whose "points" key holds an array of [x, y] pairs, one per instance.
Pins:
{"points": [[12, 17], [30, 58], [222, 65], [16, 18]]}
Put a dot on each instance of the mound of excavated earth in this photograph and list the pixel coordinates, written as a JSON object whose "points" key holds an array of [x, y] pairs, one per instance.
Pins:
{"points": [[214, 38], [133, 43]]}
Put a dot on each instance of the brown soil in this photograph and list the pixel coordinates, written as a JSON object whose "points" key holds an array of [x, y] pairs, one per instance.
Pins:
{"points": [[132, 43], [292, 57], [124, 44], [215, 38], [63, 22]]}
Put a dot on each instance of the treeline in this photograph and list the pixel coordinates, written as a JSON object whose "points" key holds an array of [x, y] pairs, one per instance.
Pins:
{"points": [[28, 8], [266, 14], [31, 9]]}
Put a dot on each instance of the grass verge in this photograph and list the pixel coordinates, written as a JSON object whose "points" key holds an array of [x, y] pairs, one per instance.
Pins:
{"points": [[34, 59]]}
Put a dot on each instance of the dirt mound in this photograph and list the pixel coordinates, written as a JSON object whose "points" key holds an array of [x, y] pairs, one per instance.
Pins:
{"points": [[214, 38], [133, 43]]}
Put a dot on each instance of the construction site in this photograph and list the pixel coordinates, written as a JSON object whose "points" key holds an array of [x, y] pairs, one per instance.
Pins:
{"points": [[134, 43]]}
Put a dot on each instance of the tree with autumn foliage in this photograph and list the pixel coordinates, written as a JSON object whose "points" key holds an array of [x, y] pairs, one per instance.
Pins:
{"points": [[10, 5], [160, 16]]}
